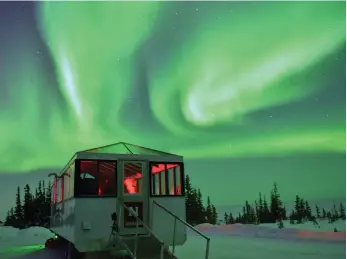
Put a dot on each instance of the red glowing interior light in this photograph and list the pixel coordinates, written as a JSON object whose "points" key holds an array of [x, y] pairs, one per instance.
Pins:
{"points": [[55, 190]]}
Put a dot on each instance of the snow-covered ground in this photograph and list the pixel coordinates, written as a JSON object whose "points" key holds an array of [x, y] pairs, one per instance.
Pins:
{"points": [[304, 241]]}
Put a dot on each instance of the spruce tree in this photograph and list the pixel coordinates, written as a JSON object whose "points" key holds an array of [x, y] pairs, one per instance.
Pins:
{"points": [[342, 212], [276, 204], [308, 211], [244, 215], [18, 210], [318, 212], [267, 214], [190, 202], [231, 218], [27, 205], [302, 211], [324, 214], [209, 211], [200, 216], [335, 214], [284, 213], [257, 212], [226, 218], [261, 210], [214, 215], [297, 215]]}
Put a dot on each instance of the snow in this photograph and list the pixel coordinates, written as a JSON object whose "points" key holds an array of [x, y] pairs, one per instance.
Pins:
{"points": [[237, 241]]}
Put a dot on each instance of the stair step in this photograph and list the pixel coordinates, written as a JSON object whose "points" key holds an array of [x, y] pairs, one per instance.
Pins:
{"points": [[147, 248]]}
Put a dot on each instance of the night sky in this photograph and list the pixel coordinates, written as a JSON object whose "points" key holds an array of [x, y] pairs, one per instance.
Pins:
{"points": [[248, 92]]}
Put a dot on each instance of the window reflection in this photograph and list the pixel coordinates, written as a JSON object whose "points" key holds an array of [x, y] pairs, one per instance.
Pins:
{"points": [[166, 179], [132, 178], [97, 178]]}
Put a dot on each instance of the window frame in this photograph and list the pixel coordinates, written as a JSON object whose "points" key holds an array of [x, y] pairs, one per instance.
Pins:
{"points": [[77, 179], [181, 172]]}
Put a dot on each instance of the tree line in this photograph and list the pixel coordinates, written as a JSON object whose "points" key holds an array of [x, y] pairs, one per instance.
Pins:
{"points": [[33, 210], [196, 211], [272, 211]]}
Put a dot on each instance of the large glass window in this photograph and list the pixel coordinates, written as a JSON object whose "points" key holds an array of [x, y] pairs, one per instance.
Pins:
{"points": [[166, 179], [59, 194], [96, 178]]}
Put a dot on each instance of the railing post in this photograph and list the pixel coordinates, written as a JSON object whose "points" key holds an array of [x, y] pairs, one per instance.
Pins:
{"points": [[207, 249], [174, 236], [162, 251], [136, 238]]}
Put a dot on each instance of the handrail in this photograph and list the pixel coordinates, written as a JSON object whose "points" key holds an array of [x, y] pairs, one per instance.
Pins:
{"points": [[144, 224], [181, 220], [208, 240], [157, 239]]}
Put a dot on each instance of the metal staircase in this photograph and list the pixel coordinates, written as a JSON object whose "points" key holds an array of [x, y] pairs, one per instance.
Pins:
{"points": [[150, 246]]}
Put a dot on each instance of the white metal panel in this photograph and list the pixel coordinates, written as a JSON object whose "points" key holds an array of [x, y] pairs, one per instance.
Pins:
{"points": [[96, 214]]}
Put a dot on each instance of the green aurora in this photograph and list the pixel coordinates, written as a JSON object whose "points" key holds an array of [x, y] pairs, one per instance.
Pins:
{"points": [[131, 71], [251, 91]]}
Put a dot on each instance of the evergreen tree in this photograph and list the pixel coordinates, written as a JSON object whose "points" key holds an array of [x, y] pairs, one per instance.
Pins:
{"points": [[11, 218], [324, 214], [260, 210], [276, 205], [209, 211], [244, 215], [317, 212], [257, 212], [334, 213], [308, 211], [200, 216], [191, 208], [18, 210], [302, 211], [226, 218], [284, 213], [266, 212], [43, 192], [231, 218], [27, 205], [214, 215], [342, 211]]}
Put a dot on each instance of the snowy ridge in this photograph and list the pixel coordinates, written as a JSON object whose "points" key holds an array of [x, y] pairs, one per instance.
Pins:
{"points": [[255, 231]]}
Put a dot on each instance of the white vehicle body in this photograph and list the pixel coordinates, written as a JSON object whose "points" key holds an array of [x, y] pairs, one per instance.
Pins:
{"points": [[99, 182]]}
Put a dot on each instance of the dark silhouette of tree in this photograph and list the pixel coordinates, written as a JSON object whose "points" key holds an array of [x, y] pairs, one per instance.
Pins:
{"points": [[214, 216], [342, 211], [266, 212], [196, 213], [226, 218], [18, 210], [200, 216], [318, 215], [28, 205], [276, 208], [324, 214], [308, 211], [231, 219]]}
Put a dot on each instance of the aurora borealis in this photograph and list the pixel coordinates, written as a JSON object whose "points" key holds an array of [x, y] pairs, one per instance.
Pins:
{"points": [[219, 81]]}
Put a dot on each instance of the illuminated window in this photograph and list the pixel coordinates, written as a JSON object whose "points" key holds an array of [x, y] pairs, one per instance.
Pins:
{"points": [[107, 178], [96, 178], [166, 179], [58, 190], [132, 178], [55, 190]]}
